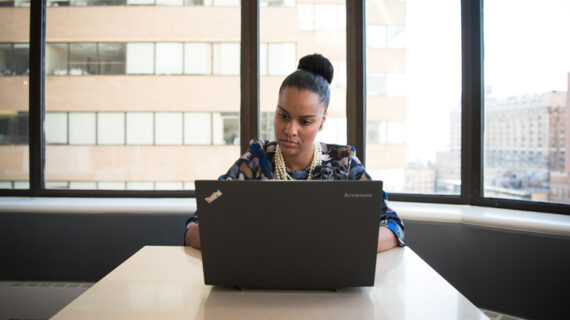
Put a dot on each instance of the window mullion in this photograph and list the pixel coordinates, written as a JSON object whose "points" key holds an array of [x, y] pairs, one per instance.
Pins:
{"points": [[249, 75], [37, 96], [471, 101], [356, 76]]}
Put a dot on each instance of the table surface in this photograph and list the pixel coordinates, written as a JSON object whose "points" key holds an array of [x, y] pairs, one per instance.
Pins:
{"points": [[167, 283]]}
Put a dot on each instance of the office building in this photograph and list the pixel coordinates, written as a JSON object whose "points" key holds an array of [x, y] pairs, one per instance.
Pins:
{"points": [[137, 101]]}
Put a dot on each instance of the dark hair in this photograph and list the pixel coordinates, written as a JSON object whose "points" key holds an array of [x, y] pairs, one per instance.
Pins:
{"points": [[314, 73]]}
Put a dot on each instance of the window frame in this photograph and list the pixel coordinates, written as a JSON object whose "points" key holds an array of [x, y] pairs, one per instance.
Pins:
{"points": [[472, 108]]}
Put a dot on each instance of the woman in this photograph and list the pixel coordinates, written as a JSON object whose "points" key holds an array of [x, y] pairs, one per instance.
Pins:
{"points": [[301, 112]]}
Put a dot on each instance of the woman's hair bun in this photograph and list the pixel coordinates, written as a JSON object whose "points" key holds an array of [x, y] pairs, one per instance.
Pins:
{"points": [[317, 64]]}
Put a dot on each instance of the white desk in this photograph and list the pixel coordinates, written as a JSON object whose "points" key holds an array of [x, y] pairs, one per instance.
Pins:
{"points": [[167, 283]]}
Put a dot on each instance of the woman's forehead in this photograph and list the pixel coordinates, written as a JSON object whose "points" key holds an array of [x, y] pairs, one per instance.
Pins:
{"points": [[299, 101]]}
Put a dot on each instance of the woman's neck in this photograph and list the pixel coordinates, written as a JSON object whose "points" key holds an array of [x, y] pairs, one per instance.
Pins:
{"points": [[300, 161]]}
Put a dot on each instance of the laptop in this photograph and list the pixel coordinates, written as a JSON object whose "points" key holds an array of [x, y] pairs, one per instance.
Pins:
{"points": [[289, 234]]}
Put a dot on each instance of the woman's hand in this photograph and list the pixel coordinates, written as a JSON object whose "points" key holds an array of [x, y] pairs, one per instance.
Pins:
{"points": [[192, 237], [386, 239]]}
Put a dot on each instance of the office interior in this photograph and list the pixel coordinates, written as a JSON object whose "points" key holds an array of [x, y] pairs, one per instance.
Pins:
{"points": [[111, 109]]}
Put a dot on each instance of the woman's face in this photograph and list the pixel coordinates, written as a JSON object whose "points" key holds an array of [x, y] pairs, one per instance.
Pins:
{"points": [[298, 118]]}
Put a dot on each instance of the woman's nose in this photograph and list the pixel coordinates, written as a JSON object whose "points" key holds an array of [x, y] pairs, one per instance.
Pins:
{"points": [[291, 129]]}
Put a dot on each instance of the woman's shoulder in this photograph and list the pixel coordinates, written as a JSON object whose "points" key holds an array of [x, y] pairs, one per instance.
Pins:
{"points": [[257, 144], [338, 151]]}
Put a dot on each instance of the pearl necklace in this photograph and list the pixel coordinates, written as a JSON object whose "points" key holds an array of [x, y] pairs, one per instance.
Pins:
{"points": [[281, 170]]}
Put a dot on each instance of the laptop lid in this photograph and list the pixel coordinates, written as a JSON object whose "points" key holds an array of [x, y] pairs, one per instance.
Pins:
{"points": [[289, 234]]}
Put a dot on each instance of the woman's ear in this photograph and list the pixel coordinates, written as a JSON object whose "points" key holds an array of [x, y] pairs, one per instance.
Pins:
{"points": [[323, 120]]}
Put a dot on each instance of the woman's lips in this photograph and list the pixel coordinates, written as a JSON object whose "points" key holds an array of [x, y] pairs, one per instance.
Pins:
{"points": [[288, 143]]}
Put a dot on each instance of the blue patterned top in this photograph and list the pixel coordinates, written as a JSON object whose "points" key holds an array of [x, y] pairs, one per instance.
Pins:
{"points": [[339, 162]]}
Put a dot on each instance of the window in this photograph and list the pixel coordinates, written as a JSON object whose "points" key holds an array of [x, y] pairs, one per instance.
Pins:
{"points": [[56, 58], [56, 127], [197, 128], [82, 128], [226, 58], [281, 58], [140, 58], [111, 58], [168, 130], [168, 58], [140, 128], [83, 59], [14, 128], [197, 58], [110, 128], [277, 59], [413, 95], [309, 27], [124, 95], [226, 128], [525, 168]]}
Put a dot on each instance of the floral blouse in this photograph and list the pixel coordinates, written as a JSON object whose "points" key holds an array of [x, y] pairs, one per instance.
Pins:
{"points": [[339, 162]]}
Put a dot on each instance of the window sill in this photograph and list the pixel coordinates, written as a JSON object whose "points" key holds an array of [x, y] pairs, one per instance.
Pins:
{"points": [[528, 221], [545, 223], [185, 206]]}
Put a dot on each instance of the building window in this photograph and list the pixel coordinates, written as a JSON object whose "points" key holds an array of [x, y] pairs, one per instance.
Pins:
{"points": [[321, 17], [111, 128], [112, 57], [83, 59], [140, 128], [376, 84], [197, 128], [169, 58], [14, 128], [413, 96], [82, 128], [168, 128], [140, 58], [226, 58], [56, 127], [281, 58], [56, 58], [197, 58]]}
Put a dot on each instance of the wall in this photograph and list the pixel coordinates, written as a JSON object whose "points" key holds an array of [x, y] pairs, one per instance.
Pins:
{"points": [[519, 273]]}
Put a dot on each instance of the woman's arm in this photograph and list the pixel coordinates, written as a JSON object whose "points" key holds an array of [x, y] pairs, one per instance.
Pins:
{"points": [[192, 236], [386, 239]]}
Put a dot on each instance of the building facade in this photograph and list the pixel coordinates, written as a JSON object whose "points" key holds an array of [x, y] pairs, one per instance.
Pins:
{"points": [[145, 94]]}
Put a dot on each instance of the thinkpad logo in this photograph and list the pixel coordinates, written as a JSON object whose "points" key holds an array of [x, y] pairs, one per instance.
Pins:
{"points": [[358, 195], [215, 195]]}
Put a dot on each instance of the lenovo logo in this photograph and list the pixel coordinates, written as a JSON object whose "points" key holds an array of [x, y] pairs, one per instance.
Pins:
{"points": [[358, 195], [215, 195]]}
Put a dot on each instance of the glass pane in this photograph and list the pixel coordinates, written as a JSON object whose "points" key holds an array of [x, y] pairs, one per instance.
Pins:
{"points": [[56, 58], [414, 95], [197, 58], [83, 59], [110, 128], [111, 58], [14, 57], [169, 58], [168, 130], [198, 128], [82, 128], [134, 101], [140, 128], [140, 58], [55, 126], [289, 31], [226, 58], [526, 105]]}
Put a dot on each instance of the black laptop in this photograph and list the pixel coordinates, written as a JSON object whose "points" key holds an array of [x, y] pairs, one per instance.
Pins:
{"points": [[289, 234]]}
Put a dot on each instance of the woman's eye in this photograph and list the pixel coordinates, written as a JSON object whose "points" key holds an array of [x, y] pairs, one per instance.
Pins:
{"points": [[307, 122], [282, 115]]}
